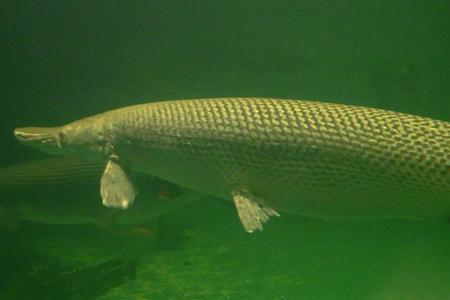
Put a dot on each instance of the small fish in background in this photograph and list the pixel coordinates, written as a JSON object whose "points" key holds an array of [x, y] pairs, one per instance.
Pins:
{"points": [[404, 78], [317, 159], [404, 82]]}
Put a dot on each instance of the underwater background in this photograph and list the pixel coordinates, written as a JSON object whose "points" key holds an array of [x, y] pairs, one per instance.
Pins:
{"points": [[63, 60]]}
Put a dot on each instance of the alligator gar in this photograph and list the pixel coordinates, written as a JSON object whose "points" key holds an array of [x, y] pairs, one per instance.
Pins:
{"points": [[64, 190], [268, 155]]}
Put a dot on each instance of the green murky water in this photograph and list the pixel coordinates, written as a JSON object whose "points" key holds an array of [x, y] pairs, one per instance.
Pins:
{"points": [[62, 60]]}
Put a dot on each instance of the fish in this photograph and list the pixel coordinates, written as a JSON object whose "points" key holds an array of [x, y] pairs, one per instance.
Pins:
{"points": [[29, 272], [306, 157], [88, 282], [55, 281], [62, 190]]}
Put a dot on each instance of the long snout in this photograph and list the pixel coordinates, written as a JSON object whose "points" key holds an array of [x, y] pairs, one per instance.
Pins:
{"points": [[45, 138], [46, 135]]}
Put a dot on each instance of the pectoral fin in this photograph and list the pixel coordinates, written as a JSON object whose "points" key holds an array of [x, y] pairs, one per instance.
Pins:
{"points": [[116, 189], [251, 212]]}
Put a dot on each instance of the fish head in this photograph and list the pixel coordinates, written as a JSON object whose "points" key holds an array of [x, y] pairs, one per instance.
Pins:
{"points": [[86, 137], [82, 138], [46, 139]]}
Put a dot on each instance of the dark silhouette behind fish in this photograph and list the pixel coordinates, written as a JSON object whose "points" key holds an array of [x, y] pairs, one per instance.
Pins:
{"points": [[64, 190]]}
